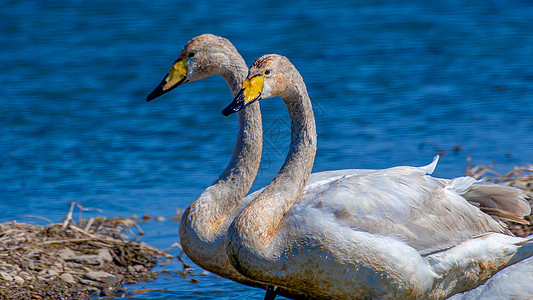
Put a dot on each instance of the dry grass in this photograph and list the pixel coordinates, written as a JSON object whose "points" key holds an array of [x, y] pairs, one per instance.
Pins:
{"points": [[57, 261]]}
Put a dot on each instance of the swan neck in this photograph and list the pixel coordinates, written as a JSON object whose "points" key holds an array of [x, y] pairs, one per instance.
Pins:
{"points": [[205, 217], [255, 229], [234, 72], [296, 169]]}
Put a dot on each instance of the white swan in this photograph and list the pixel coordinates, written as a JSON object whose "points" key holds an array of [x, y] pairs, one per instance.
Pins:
{"points": [[393, 233], [204, 223]]}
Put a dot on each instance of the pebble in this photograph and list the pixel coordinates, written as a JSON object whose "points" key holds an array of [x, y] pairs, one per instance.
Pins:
{"points": [[140, 268], [90, 283], [66, 253], [66, 277], [25, 275], [105, 255], [58, 266], [93, 260], [5, 276], [101, 276], [113, 292], [137, 268], [18, 280], [140, 291], [27, 265]]}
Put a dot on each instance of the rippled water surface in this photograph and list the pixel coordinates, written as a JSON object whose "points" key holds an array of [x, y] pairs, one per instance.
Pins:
{"points": [[391, 84]]}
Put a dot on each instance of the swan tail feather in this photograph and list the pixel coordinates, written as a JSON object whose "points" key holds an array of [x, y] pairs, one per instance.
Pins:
{"points": [[503, 202], [504, 215], [431, 167]]}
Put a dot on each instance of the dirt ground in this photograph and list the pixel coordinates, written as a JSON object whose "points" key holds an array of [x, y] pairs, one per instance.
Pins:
{"points": [[71, 260]]}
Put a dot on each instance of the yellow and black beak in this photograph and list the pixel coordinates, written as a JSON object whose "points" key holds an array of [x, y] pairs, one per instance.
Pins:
{"points": [[175, 77], [250, 92]]}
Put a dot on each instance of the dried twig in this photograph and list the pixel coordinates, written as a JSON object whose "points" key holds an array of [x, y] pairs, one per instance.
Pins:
{"points": [[33, 253]]}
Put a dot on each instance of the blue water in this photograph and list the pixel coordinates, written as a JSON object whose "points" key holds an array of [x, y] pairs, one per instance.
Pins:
{"points": [[391, 84]]}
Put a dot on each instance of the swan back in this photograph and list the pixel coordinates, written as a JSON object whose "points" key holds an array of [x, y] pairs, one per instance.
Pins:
{"points": [[402, 203]]}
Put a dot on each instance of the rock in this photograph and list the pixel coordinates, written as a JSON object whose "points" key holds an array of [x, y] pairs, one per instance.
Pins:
{"points": [[5, 276], [105, 255], [52, 273], [57, 266], [193, 280], [66, 253], [93, 292], [113, 292], [101, 277], [139, 268], [93, 260], [68, 278], [27, 265], [140, 291], [120, 277], [90, 283], [45, 274], [25, 275], [18, 280]]}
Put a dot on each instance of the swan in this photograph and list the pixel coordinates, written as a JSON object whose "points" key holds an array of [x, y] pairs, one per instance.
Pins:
{"points": [[392, 233], [204, 223]]}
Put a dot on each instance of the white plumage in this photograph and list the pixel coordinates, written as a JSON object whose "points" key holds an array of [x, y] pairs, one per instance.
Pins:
{"points": [[394, 233]]}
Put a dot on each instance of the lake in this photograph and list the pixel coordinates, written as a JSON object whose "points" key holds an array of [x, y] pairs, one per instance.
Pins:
{"points": [[391, 84]]}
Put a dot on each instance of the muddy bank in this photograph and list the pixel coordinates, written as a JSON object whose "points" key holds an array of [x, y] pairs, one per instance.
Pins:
{"points": [[73, 260]]}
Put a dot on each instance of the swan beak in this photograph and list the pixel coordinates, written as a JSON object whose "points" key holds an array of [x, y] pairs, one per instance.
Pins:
{"points": [[250, 92], [174, 78]]}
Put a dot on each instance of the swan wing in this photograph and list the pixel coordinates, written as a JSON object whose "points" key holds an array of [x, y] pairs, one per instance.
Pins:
{"points": [[403, 203]]}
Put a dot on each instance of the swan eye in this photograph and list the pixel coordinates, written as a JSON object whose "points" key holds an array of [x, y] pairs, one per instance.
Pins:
{"points": [[191, 54], [268, 72]]}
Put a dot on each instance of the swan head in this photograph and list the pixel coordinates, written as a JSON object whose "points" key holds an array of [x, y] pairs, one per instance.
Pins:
{"points": [[269, 76], [203, 56]]}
